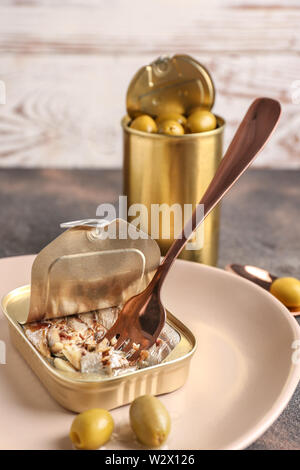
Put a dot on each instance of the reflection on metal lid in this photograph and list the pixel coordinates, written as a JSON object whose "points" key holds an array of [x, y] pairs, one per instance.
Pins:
{"points": [[170, 84]]}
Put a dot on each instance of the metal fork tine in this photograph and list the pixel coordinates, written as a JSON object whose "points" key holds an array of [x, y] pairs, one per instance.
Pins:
{"points": [[110, 334], [119, 342], [134, 357], [128, 346]]}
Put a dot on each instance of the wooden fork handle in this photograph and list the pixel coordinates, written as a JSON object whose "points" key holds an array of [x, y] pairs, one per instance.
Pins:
{"points": [[251, 136]]}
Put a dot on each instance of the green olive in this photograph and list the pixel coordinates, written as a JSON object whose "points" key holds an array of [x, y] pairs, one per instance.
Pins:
{"points": [[144, 123], [287, 290], [91, 429], [150, 420], [171, 117], [170, 127], [201, 121], [194, 109]]}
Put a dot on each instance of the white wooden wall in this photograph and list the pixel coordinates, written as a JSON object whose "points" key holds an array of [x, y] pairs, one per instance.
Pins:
{"points": [[66, 65]]}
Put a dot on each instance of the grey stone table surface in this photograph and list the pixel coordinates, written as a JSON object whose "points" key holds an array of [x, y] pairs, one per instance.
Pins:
{"points": [[260, 225]]}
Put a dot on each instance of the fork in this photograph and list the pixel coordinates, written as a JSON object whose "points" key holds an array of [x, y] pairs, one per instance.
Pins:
{"points": [[143, 316]]}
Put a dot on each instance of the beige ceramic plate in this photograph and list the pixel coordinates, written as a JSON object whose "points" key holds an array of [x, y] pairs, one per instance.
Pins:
{"points": [[242, 374]]}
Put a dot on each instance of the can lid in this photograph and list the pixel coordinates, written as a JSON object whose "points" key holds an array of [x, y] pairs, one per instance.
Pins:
{"points": [[170, 84]]}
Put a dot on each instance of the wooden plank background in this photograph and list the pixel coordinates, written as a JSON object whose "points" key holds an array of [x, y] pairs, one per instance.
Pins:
{"points": [[66, 65]]}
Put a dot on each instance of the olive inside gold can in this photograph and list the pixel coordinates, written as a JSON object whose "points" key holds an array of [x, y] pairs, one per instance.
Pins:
{"points": [[173, 166]]}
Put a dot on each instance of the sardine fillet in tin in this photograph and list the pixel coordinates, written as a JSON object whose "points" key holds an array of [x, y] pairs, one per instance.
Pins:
{"points": [[78, 392]]}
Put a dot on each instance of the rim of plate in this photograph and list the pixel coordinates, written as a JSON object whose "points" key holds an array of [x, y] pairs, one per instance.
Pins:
{"points": [[294, 373], [293, 378]]}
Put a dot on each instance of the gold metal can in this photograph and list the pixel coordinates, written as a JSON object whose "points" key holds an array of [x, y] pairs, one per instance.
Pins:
{"points": [[160, 169], [79, 392]]}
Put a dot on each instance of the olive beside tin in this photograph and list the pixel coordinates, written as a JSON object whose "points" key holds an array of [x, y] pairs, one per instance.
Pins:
{"points": [[78, 392], [160, 169]]}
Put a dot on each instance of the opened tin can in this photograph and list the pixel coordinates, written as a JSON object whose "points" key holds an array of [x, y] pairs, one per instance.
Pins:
{"points": [[79, 392], [168, 170], [85, 275]]}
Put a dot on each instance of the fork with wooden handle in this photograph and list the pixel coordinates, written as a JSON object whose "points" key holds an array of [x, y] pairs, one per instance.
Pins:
{"points": [[143, 316]]}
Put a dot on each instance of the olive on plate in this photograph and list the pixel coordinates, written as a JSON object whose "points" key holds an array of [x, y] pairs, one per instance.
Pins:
{"points": [[150, 420], [91, 429]]}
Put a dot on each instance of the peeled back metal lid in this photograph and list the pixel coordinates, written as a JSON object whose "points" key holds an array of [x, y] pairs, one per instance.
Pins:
{"points": [[94, 264], [170, 84]]}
